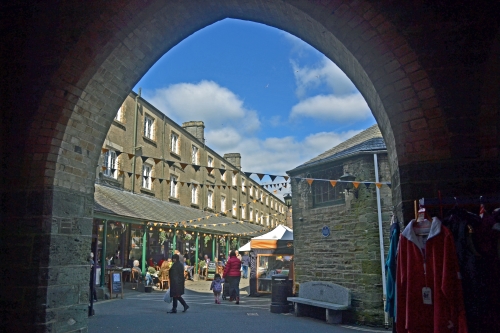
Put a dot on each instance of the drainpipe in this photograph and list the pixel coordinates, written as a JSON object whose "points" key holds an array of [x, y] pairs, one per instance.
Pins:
{"points": [[196, 254], [381, 238], [213, 248], [135, 137], [174, 240]]}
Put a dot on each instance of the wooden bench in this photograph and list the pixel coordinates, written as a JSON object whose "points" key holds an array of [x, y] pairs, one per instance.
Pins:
{"points": [[330, 296]]}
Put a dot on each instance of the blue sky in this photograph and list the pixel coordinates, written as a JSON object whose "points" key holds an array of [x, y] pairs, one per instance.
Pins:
{"points": [[260, 91]]}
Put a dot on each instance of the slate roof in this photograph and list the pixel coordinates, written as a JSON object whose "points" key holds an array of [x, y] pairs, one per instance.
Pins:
{"points": [[368, 140], [117, 203]]}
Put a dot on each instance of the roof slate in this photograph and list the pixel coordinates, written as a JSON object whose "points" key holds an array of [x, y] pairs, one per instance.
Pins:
{"points": [[367, 140], [116, 202]]}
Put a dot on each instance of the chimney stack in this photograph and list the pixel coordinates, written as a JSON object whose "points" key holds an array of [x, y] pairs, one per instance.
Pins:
{"points": [[196, 129], [234, 159]]}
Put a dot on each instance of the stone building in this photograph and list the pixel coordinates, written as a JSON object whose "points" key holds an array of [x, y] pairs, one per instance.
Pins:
{"points": [[145, 153], [350, 254]]}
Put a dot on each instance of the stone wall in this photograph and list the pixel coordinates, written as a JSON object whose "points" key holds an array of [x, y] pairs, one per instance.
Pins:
{"points": [[350, 256]]}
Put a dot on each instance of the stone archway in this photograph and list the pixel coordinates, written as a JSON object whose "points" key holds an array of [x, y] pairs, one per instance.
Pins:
{"points": [[74, 63]]}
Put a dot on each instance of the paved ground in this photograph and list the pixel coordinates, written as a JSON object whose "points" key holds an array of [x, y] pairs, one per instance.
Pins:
{"points": [[146, 312]]}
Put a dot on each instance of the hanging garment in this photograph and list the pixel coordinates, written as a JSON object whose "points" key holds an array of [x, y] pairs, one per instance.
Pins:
{"points": [[390, 268], [428, 286]]}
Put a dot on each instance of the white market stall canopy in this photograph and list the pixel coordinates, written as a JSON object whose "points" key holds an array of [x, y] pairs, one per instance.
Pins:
{"points": [[270, 240]]}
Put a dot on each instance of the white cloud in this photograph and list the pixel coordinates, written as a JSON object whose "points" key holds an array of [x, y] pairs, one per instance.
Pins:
{"points": [[326, 72], [332, 108], [217, 106]]}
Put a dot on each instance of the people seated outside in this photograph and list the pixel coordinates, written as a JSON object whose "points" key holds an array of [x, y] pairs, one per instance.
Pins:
{"points": [[136, 271], [188, 269]]}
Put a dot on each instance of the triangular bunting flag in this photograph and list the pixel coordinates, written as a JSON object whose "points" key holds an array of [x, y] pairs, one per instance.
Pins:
{"points": [[218, 186], [182, 183], [196, 167], [175, 182], [213, 186], [195, 185], [367, 184], [129, 174], [170, 163], [183, 165], [222, 172], [121, 172], [355, 184], [201, 185], [188, 184], [333, 183], [309, 180], [280, 189], [144, 158], [157, 160], [118, 153], [285, 185], [153, 179], [209, 170], [260, 175], [224, 187], [130, 156], [167, 181], [235, 172], [160, 180], [379, 185], [103, 168], [286, 178], [248, 174], [104, 150], [113, 171], [137, 176], [146, 177], [389, 184], [273, 177]]}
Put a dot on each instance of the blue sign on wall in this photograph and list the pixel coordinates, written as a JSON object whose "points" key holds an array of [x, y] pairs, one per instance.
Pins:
{"points": [[325, 231]]}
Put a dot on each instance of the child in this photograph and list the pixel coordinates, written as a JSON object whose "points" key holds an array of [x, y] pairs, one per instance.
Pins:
{"points": [[216, 286]]}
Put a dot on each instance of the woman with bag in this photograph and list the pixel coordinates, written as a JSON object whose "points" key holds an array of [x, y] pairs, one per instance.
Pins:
{"points": [[176, 274], [232, 275]]}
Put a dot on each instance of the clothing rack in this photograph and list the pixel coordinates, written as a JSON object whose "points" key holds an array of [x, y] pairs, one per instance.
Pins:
{"points": [[450, 202]]}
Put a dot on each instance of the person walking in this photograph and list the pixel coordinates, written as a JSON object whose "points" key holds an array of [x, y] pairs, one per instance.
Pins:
{"points": [[176, 275], [232, 275], [216, 287], [245, 262]]}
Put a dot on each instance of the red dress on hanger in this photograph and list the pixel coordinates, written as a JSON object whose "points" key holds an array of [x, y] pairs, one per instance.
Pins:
{"points": [[429, 290]]}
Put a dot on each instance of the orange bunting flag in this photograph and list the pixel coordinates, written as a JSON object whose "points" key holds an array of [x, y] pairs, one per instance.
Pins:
{"points": [[379, 185], [137, 176], [309, 180], [103, 168], [333, 182], [120, 172], [235, 172], [153, 179], [130, 156], [355, 184], [104, 150], [182, 183], [157, 160]]}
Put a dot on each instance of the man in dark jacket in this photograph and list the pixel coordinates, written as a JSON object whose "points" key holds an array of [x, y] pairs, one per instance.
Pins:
{"points": [[232, 275], [176, 275]]}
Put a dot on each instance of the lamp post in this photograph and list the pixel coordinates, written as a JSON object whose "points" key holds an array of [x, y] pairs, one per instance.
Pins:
{"points": [[348, 178], [288, 203]]}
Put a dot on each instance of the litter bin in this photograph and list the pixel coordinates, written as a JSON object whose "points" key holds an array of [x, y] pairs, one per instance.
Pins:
{"points": [[281, 288]]}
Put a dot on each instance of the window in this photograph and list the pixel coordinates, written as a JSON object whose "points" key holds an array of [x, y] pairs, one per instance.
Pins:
{"points": [[251, 214], [119, 114], [272, 204], [243, 213], [234, 208], [235, 179], [109, 161], [210, 162], [146, 176], [223, 204], [257, 216], [210, 201], [223, 177], [251, 190], [173, 186], [174, 143], [148, 127], [267, 220], [267, 200], [194, 195], [194, 155], [323, 193]]}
